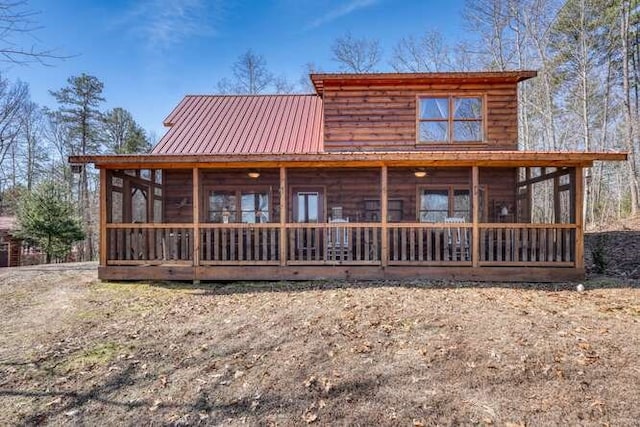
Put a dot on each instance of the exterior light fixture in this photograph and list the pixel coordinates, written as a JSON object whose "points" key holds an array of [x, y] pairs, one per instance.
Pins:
{"points": [[420, 173], [254, 174]]}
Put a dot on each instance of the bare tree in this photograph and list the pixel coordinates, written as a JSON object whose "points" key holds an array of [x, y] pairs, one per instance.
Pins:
{"points": [[305, 82], [17, 20], [251, 77], [427, 53], [12, 99], [356, 55], [34, 152], [251, 73], [631, 124], [282, 85]]}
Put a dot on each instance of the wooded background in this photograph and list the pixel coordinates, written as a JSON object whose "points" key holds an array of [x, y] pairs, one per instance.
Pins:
{"points": [[585, 98]]}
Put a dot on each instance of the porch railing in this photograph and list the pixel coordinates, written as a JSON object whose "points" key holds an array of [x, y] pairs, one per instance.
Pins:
{"points": [[334, 243], [433, 244], [239, 244], [149, 243], [342, 243], [527, 244]]}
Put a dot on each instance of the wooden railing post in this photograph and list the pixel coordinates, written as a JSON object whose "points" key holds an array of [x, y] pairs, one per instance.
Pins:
{"points": [[384, 237], [196, 216], [283, 216], [578, 200], [103, 217], [475, 233]]}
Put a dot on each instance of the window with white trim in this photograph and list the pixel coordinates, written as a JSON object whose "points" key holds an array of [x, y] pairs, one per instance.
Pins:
{"points": [[450, 119]]}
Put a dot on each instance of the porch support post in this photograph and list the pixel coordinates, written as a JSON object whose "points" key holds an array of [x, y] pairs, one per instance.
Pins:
{"points": [[557, 213], [283, 216], [578, 192], [475, 203], [196, 218], [384, 237], [103, 217]]}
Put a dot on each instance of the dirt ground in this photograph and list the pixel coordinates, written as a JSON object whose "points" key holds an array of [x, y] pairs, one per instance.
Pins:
{"points": [[74, 350]]}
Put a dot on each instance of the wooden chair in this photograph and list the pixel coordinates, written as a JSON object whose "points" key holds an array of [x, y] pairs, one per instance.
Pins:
{"points": [[457, 240], [338, 240]]}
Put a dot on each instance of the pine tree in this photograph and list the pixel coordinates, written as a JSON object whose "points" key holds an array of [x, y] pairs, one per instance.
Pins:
{"points": [[79, 112], [46, 220]]}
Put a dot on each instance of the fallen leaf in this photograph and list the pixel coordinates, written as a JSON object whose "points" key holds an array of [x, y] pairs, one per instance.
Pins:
{"points": [[311, 381], [310, 417]]}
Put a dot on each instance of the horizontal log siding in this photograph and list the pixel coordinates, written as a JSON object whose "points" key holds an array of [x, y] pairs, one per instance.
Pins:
{"points": [[348, 188], [500, 184], [177, 191], [381, 118]]}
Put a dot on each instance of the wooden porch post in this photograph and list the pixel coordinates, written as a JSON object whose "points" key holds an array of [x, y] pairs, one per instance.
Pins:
{"points": [[475, 233], [103, 217], [556, 200], [384, 237], [578, 200], [196, 218], [283, 216]]}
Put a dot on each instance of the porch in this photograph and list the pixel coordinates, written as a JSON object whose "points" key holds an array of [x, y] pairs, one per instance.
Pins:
{"points": [[320, 222]]}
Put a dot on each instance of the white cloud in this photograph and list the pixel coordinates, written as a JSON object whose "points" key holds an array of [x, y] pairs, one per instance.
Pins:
{"points": [[165, 23], [340, 11]]}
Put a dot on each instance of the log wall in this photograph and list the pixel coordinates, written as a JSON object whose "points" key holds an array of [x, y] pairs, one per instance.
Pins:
{"points": [[350, 189], [376, 118]]}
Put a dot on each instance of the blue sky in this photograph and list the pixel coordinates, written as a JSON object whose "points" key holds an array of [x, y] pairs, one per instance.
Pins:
{"points": [[150, 53]]}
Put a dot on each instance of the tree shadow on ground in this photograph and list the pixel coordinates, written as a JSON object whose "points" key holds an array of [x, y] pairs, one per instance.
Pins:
{"points": [[208, 401]]}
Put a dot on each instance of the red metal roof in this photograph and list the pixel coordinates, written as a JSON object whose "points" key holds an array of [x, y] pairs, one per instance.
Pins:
{"points": [[243, 124]]}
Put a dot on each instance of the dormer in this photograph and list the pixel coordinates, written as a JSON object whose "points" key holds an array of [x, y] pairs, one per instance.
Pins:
{"points": [[420, 111]]}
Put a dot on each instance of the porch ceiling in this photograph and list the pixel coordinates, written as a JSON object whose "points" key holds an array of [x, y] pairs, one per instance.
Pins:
{"points": [[353, 159]]}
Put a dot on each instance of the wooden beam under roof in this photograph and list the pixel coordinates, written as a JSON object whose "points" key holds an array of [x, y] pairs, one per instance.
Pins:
{"points": [[353, 159]]}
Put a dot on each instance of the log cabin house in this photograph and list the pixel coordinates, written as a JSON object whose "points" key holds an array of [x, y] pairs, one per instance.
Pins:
{"points": [[10, 245], [375, 176]]}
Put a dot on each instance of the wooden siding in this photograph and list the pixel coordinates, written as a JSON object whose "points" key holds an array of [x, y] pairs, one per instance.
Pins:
{"points": [[346, 188], [383, 118], [10, 249], [177, 187]]}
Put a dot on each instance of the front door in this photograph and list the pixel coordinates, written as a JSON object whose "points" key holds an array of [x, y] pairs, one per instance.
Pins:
{"points": [[308, 208]]}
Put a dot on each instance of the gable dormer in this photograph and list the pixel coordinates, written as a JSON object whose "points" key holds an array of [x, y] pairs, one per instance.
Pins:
{"points": [[420, 111]]}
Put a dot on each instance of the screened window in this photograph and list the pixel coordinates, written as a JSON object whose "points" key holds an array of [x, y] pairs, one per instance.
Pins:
{"points": [[438, 204], [447, 119]]}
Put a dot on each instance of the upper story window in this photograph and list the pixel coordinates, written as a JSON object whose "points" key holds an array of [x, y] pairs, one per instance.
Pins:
{"points": [[450, 119]]}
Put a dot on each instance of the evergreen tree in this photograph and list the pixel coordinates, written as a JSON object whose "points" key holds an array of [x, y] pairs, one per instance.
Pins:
{"points": [[46, 220], [79, 112], [122, 134]]}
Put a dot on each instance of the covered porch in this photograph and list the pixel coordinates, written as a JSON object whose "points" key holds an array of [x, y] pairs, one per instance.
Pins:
{"points": [[365, 216]]}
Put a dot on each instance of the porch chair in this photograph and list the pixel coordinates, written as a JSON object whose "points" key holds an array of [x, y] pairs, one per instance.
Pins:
{"points": [[457, 240], [338, 242]]}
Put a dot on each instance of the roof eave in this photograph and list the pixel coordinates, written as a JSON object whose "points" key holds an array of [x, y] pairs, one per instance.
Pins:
{"points": [[320, 79], [356, 159]]}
